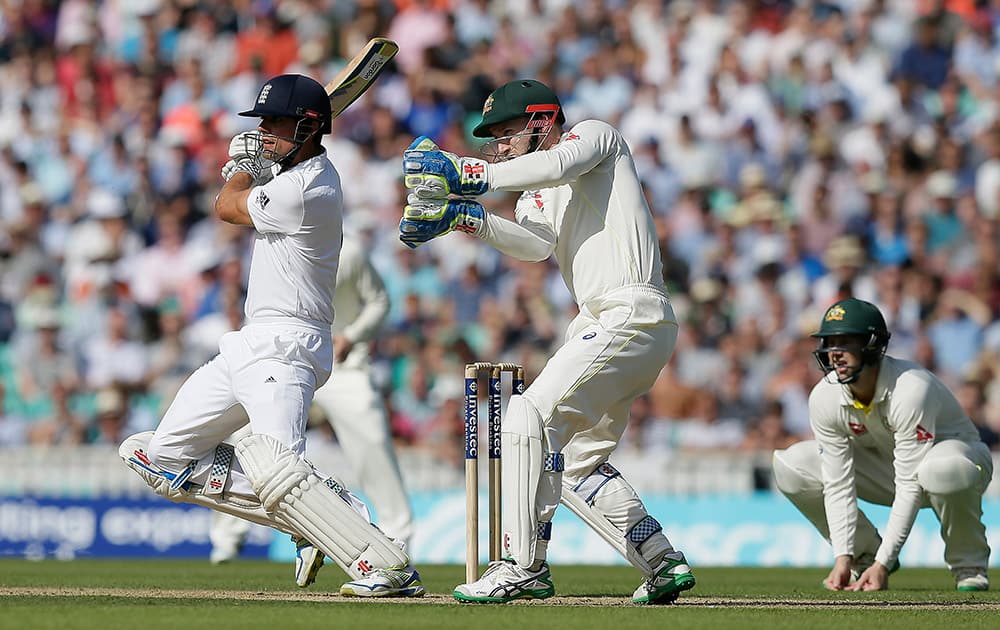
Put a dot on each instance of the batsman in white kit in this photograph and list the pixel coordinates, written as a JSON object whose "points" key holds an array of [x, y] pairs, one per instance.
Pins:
{"points": [[581, 202], [280, 182], [353, 406], [889, 432]]}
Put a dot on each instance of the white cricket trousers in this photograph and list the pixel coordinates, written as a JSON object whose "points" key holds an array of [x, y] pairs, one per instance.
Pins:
{"points": [[272, 369], [357, 414], [798, 475], [613, 353]]}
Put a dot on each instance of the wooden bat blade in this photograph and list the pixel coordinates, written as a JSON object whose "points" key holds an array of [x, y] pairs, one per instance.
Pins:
{"points": [[358, 75]]}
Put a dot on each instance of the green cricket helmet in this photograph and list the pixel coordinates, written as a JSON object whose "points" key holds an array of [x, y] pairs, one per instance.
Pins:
{"points": [[855, 318], [522, 97]]}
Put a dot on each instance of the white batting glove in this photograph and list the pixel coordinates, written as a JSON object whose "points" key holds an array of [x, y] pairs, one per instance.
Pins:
{"points": [[260, 174], [246, 144]]}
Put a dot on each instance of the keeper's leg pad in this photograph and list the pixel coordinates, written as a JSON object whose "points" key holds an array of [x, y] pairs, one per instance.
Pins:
{"points": [[170, 485], [289, 488], [610, 506], [531, 481]]}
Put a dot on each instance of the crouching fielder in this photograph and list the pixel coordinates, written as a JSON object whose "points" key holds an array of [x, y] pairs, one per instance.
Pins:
{"points": [[582, 203], [280, 182], [887, 431]]}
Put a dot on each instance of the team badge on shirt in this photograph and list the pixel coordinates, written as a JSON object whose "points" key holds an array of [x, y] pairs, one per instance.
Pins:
{"points": [[857, 428], [923, 435]]}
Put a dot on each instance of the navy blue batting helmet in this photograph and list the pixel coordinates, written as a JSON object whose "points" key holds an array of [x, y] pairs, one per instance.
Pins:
{"points": [[293, 95]]}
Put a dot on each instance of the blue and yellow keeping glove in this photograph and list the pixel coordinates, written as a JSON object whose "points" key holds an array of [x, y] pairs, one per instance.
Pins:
{"points": [[424, 219], [435, 174]]}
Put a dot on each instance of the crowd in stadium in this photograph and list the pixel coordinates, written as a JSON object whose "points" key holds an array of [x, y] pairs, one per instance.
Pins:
{"points": [[793, 153]]}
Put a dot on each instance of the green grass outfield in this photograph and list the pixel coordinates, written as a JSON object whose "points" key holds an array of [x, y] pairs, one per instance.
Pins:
{"points": [[152, 594]]}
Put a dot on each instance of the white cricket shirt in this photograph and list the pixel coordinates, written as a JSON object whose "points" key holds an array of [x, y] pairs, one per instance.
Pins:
{"points": [[298, 216], [582, 203]]}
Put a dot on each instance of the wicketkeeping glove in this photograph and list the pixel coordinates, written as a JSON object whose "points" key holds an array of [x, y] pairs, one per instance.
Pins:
{"points": [[434, 173], [424, 219]]}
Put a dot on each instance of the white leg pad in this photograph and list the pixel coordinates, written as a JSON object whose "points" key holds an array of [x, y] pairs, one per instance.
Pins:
{"points": [[289, 488], [521, 445], [133, 452], [606, 502]]}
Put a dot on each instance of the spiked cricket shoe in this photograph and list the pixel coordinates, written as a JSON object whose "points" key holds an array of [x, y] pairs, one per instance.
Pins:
{"points": [[972, 579], [308, 562], [398, 582], [504, 581], [671, 577]]}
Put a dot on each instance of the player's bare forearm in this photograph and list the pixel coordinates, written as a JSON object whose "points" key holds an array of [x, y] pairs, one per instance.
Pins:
{"points": [[231, 204]]}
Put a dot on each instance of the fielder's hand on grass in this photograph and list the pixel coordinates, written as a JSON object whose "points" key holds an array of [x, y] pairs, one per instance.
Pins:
{"points": [[875, 578], [435, 174], [424, 219], [840, 575]]}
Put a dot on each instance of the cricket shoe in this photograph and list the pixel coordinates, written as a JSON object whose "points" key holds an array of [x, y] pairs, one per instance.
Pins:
{"points": [[505, 581], [972, 579], [398, 582], [308, 561], [671, 577]]}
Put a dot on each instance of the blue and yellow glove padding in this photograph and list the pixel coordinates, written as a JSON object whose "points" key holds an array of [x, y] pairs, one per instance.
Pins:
{"points": [[424, 219], [434, 173]]}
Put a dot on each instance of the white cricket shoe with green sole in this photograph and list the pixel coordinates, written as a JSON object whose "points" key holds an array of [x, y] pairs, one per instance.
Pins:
{"points": [[504, 581], [972, 579], [671, 577]]}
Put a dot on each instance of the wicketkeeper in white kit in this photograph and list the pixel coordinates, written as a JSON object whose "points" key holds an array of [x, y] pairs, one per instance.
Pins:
{"points": [[353, 406], [280, 182], [583, 203], [889, 432]]}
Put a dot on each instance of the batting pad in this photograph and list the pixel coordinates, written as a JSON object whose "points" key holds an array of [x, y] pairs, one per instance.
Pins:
{"points": [[606, 502], [521, 445], [133, 452], [290, 489]]}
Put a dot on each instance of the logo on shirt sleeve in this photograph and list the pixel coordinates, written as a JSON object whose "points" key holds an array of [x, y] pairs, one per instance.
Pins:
{"points": [[263, 199], [923, 435]]}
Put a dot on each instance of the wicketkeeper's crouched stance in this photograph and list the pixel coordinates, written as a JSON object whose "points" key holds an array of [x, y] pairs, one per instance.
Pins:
{"points": [[584, 205], [280, 182]]}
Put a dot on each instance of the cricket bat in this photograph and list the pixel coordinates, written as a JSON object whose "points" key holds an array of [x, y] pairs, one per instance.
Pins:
{"points": [[358, 75]]}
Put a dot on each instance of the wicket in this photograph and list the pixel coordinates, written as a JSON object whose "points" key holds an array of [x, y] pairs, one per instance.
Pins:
{"points": [[472, 371]]}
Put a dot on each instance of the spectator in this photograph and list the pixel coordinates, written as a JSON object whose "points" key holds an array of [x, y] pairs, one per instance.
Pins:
{"points": [[790, 155]]}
